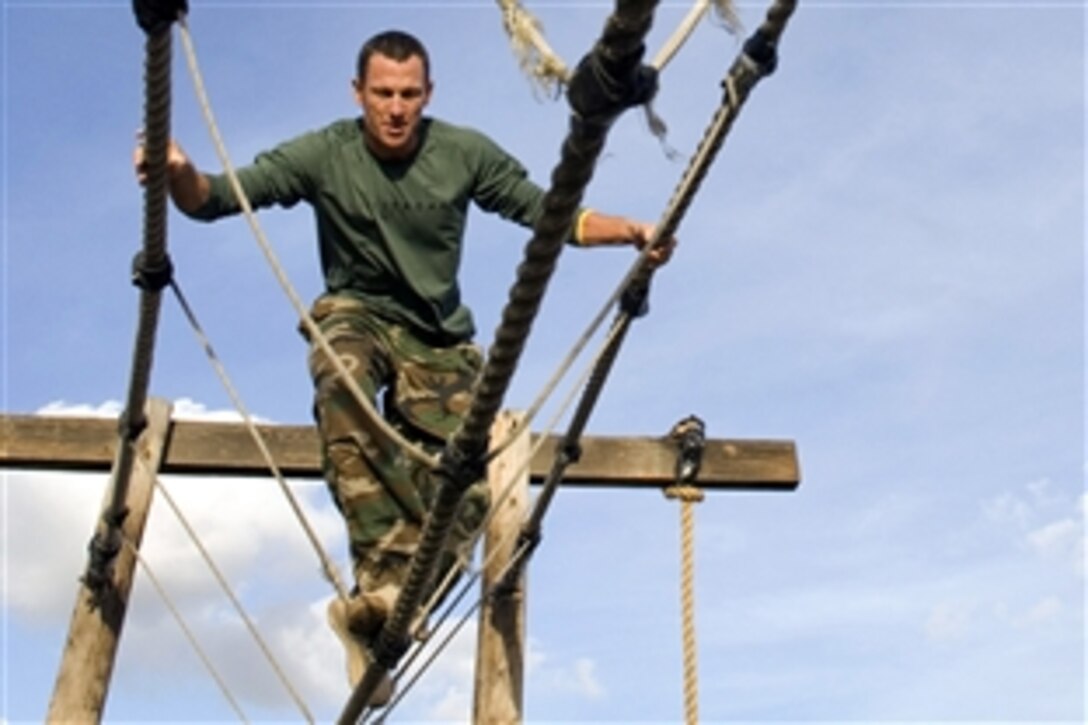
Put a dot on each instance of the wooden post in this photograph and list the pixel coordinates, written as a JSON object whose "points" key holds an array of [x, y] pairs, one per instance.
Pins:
{"points": [[500, 653], [79, 694]]}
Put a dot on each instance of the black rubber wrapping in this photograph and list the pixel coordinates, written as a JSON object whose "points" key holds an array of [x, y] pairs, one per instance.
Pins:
{"points": [[601, 89], [762, 50], [635, 300], [155, 16], [151, 277]]}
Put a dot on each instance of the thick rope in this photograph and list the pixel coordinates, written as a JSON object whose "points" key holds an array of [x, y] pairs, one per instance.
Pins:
{"points": [[193, 642], [235, 602], [328, 568], [386, 435], [152, 266], [688, 496], [615, 59]]}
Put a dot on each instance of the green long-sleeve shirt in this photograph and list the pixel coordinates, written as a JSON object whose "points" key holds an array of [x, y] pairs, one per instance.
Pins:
{"points": [[390, 233]]}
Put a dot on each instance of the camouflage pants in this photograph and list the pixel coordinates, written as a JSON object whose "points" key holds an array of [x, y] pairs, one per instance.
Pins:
{"points": [[383, 494]]}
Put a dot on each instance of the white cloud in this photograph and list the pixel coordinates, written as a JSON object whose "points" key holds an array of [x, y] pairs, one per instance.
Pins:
{"points": [[183, 409], [1042, 518], [108, 409], [1056, 538], [577, 677]]}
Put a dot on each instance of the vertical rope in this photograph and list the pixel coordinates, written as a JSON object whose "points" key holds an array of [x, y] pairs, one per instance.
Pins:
{"points": [[689, 496]]}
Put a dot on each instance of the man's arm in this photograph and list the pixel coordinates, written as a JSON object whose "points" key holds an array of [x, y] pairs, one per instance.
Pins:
{"points": [[594, 229], [189, 187]]}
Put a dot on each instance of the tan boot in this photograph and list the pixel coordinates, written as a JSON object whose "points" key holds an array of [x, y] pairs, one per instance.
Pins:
{"points": [[343, 618]]}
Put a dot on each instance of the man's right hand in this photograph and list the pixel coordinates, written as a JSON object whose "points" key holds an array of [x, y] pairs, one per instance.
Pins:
{"points": [[176, 159], [189, 188]]}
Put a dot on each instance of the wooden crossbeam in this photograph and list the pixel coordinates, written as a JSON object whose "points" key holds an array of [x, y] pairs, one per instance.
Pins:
{"points": [[88, 444]]}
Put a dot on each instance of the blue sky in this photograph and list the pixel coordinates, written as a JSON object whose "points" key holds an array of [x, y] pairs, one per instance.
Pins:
{"points": [[885, 265]]}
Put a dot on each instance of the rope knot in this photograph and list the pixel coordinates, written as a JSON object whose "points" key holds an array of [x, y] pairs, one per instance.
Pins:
{"points": [[685, 493]]}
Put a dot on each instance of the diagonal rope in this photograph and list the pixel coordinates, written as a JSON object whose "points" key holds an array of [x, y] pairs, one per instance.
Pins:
{"points": [[386, 433], [186, 630], [234, 600], [327, 566]]}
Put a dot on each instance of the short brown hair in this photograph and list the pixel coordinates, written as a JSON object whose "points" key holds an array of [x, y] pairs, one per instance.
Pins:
{"points": [[395, 44]]}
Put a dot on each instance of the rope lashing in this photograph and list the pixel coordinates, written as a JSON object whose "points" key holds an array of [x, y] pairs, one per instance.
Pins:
{"points": [[690, 436], [593, 109], [155, 17]]}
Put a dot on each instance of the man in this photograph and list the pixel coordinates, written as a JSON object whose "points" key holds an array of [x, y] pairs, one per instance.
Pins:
{"points": [[390, 192]]}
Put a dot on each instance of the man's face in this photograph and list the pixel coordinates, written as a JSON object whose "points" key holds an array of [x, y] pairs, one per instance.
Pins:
{"points": [[393, 95]]}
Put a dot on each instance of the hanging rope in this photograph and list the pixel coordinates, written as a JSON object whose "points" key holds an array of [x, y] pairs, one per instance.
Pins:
{"points": [[608, 80], [691, 438]]}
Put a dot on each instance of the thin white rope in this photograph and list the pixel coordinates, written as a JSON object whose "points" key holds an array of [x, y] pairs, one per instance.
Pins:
{"points": [[407, 447], [681, 34], [185, 629], [327, 565], [234, 600]]}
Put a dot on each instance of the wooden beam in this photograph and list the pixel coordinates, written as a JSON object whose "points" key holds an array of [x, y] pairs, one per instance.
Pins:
{"points": [[87, 444], [500, 650], [83, 678]]}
